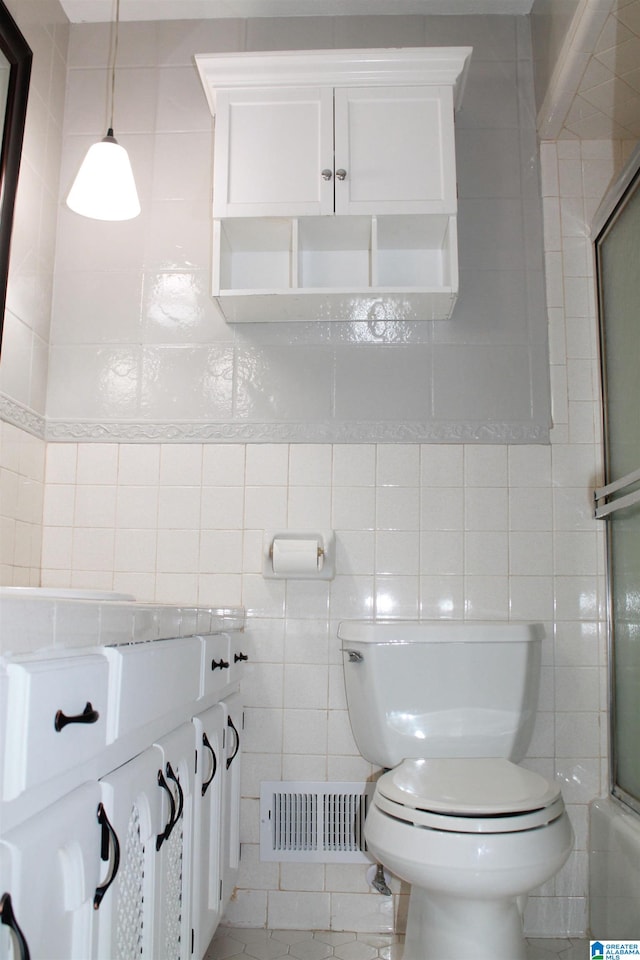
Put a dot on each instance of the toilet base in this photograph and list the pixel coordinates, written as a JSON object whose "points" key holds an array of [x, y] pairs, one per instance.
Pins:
{"points": [[448, 928]]}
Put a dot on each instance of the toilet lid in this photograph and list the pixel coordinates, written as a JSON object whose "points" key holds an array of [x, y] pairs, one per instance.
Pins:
{"points": [[468, 787]]}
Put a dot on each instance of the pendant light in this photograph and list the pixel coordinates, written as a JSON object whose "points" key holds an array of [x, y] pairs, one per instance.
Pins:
{"points": [[104, 187]]}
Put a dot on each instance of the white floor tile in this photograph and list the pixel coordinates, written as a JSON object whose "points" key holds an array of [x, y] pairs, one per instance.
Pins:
{"points": [[233, 943]]}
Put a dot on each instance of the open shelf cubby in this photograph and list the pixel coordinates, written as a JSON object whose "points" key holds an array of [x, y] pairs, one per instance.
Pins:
{"points": [[253, 254], [415, 252], [324, 263]]}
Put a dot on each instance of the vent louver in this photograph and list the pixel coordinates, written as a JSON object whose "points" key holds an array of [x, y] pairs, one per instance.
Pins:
{"points": [[313, 822]]}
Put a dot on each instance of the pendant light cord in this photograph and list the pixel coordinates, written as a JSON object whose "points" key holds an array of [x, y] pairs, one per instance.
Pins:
{"points": [[113, 67]]}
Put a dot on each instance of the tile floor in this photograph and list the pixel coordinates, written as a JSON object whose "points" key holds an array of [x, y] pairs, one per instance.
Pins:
{"points": [[238, 943]]}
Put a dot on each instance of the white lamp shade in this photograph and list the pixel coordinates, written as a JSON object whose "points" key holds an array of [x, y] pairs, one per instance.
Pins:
{"points": [[104, 188]]}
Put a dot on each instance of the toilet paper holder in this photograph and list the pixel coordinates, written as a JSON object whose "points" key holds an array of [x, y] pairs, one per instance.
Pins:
{"points": [[293, 555]]}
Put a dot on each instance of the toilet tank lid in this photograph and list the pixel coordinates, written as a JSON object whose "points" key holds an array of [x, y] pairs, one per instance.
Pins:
{"points": [[437, 631]]}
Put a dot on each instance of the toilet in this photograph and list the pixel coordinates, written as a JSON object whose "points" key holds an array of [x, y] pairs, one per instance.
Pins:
{"points": [[448, 708]]}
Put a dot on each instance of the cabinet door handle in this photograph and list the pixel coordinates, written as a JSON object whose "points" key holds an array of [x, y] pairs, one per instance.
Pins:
{"points": [[214, 762], [239, 657], [88, 715], [326, 174], [219, 664], [237, 736], [341, 174], [171, 776], [108, 842], [172, 811], [8, 918]]}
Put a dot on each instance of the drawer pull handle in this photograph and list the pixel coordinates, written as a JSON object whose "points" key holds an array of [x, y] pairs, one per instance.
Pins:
{"points": [[214, 763], [219, 664], [88, 715], [237, 736], [239, 657], [109, 842], [172, 811], [8, 918]]}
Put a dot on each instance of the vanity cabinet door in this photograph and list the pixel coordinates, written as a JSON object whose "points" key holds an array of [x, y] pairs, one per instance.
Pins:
{"points": [[271, 147], [138, 809], [394, 150], [173, 930], [52, 870], [230, 836], [207, 834]]}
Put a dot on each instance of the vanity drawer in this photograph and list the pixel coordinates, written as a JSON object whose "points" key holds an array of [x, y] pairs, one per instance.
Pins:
{"points": [[150, 680], [56, 718]]}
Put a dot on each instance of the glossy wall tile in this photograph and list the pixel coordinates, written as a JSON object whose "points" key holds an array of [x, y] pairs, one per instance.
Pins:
{"points": [[143, 326]]}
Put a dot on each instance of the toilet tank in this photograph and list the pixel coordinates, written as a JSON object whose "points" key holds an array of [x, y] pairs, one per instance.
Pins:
{"points": [[441, 688]]}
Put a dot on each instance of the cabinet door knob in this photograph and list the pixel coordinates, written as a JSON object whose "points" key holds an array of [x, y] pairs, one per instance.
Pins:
{"points": [[326, 174], [341, 174]]}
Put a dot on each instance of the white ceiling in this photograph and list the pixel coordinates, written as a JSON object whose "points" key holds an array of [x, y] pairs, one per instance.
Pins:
{"points": [[80, 11]]}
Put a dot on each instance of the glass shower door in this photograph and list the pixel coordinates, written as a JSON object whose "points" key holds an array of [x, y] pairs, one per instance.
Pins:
{"points": [[618, 268]]}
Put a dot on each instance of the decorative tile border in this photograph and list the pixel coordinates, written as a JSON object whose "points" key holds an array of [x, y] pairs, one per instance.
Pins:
{"points": [[326, 432], [356, 431], [23, 417]]}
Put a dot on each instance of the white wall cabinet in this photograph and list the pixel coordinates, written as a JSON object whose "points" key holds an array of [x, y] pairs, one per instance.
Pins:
{"points": [[131, 851], [334, 193]]}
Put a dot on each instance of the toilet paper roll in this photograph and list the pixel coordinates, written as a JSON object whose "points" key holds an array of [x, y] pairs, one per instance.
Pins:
{"points": [[295, 557]]}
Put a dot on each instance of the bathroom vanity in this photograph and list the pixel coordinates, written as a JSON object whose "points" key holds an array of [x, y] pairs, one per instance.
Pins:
{"points": [[120, 733]]}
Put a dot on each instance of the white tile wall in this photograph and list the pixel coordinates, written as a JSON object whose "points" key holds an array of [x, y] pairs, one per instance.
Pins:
{"points": [[22, 458], [137, 343], [472, 531], [23, 372]]}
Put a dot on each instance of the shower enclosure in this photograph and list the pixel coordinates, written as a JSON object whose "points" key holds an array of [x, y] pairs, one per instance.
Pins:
{"points": [[617, 248]]}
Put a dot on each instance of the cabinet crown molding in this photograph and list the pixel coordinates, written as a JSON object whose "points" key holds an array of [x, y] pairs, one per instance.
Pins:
{"points": [[409, 66]]}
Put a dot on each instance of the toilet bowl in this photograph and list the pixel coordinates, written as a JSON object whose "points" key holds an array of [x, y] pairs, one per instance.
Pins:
{"points": [[470, 853], [448, 710]]}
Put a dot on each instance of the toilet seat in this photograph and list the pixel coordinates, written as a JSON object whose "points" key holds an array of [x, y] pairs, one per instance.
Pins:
{"points": [[488, 795]]}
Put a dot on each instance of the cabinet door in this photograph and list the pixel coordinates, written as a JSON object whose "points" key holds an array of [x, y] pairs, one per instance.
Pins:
{"points": [[207, 881], [230, 837], [395, 146], [271, 147], [173, 931], [51, 868], [138, 811]]}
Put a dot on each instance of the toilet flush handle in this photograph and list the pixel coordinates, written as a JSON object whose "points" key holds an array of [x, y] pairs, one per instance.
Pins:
{"points": [[354, 656]]}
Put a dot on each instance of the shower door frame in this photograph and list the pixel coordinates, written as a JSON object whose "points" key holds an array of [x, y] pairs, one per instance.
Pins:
{"points": [[613, 204]]}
